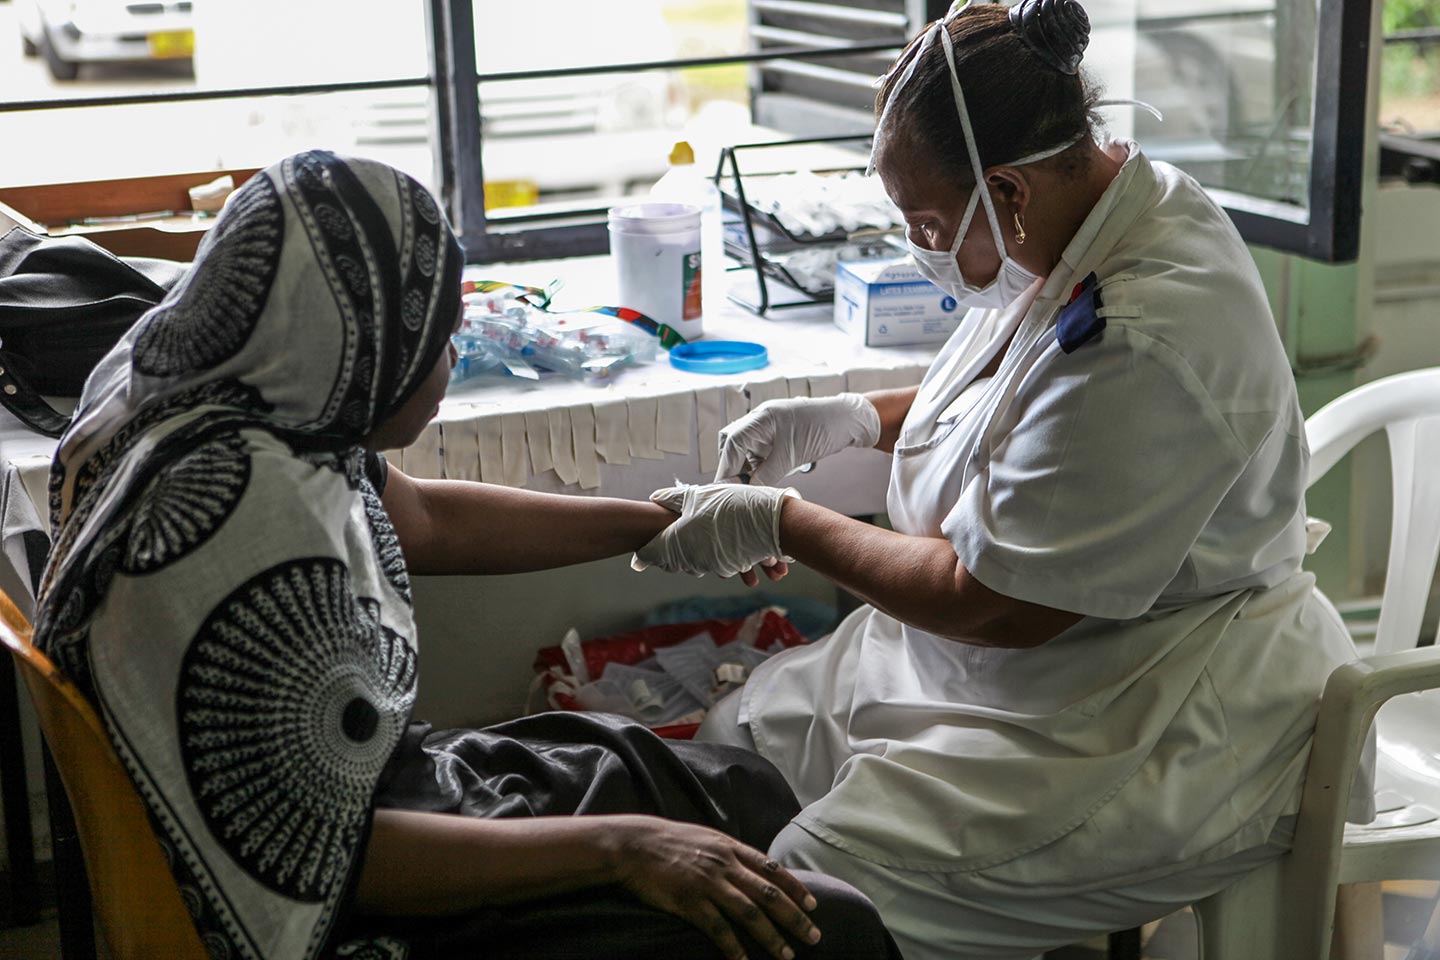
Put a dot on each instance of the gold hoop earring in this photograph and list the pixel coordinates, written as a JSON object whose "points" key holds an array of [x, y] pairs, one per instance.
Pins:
{"points": [[1019, 230]]}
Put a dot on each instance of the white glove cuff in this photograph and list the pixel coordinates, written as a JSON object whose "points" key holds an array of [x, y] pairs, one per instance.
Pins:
{"points": [[779, 506], [866, 418]]}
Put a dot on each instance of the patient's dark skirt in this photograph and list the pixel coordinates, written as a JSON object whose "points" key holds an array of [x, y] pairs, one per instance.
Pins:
{"points": [[589, 764]]}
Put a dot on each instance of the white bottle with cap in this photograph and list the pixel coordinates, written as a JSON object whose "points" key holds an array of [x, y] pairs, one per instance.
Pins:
{"points": [[684, 183]]}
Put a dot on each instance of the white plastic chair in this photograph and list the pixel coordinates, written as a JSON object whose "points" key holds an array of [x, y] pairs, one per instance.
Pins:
{"points": [[1286, 910]]}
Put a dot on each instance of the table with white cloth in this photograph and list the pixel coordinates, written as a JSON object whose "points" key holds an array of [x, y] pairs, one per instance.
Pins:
{"points": [[653, 424], [643, 428]]}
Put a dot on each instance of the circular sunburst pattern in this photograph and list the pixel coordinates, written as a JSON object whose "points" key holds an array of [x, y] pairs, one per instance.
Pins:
{"points": [[186, 503], [221, 300], [291, 697]]}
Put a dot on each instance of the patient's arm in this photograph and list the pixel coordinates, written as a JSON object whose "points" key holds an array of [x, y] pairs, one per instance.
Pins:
{"points": [[453, 526], [431, 864]]}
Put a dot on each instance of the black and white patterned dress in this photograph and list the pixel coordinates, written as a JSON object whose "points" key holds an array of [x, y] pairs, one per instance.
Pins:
{"points": [[224, 584]]}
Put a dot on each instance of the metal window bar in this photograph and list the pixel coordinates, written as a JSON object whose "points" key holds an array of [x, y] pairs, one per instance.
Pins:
{"points": [[230, 93], [517, 241], [1329, 230], [1418, 35]]}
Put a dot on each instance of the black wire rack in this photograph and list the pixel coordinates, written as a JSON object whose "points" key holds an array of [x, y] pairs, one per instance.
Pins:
{"points": [[764, 236]]}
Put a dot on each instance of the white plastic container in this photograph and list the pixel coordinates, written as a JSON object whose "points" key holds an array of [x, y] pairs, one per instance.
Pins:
{"points": [[684, 183], [656, 247]]}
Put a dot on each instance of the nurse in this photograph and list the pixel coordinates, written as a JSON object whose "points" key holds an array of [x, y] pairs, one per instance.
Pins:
{"points": [[1082, 692]]}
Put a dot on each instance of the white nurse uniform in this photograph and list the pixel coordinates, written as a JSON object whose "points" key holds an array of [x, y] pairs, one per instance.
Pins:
{"points": [[1150, 477]]}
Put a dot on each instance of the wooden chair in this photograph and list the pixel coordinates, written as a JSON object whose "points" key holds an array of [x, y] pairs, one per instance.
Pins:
{"points": [[137, 905]]}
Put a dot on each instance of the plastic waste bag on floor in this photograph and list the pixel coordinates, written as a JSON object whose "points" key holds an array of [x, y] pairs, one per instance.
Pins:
{"points": [[627, 673]]}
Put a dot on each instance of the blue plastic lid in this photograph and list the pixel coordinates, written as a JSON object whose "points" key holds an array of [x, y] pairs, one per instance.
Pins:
{"points": [[719, 356]]}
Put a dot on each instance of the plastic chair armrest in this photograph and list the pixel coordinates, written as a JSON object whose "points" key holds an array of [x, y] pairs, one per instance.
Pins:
{"points": [[1353, 695], [1370, 681]]}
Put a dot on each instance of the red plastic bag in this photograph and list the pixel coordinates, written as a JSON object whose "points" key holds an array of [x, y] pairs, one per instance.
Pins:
{"points": [[761, 629]]}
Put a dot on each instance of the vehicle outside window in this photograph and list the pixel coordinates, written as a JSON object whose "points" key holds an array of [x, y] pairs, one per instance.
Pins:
{"points": [[70, 33]]}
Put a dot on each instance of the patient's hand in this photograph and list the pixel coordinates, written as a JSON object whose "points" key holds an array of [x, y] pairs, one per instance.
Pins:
{"points": [[715, 882], [725, 529]]}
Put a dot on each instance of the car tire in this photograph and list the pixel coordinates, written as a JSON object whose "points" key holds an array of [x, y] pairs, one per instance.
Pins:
{"points": [[60, 68]]}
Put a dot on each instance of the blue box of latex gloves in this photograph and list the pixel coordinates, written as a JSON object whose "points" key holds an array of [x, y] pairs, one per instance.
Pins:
{"points": [[886, 303]]}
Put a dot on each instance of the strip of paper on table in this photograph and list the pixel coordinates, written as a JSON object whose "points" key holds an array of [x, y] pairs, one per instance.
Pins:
{"points": [[422, 458], [582, 430], [736, 403], [562, 444], [34, 471], [827, 384], [492, 448], [612, 431], [644, 427], [865, 379], [676, 422], [462, 449], [763, 390], [514, 456], [906, 375], [709, 418], [395, 458], [537, 439]]}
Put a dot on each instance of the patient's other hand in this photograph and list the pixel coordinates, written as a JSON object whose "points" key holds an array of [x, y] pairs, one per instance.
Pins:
{"points": [[715, 882]]}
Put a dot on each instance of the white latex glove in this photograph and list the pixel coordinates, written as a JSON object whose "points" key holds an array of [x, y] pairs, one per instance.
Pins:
{"points": [[780, 435], [724, 528]]}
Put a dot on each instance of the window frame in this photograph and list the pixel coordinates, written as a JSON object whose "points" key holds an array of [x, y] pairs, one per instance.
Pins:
{"points": [[460, 141], [1328, 230]]}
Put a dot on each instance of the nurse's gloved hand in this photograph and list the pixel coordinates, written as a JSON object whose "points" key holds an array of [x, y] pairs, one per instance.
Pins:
{"points": [[780, 435], [724, 528]]}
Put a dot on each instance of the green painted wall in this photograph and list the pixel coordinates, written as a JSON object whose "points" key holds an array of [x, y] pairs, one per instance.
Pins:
{"points": [[1316, 309]]}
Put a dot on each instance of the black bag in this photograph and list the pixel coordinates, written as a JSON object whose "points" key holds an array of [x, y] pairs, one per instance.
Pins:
{"points": [[64, 302]]}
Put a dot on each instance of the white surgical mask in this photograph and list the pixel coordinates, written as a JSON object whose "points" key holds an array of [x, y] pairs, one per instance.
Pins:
{"points": [[941, 268]]}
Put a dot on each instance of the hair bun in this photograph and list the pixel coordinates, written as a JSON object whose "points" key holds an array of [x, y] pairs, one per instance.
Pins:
{"points": [[1057, 30]]}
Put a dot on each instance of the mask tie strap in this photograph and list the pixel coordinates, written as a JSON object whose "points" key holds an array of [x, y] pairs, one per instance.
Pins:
{"points": [[970, 146], [1125, 102], [917, 54]]}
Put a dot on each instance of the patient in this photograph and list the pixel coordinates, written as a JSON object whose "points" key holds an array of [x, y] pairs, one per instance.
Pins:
{"points": [[230, 587]]}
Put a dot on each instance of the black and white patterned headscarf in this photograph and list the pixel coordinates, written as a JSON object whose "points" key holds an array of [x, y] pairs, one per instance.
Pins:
{"points": [[225, 585]]}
